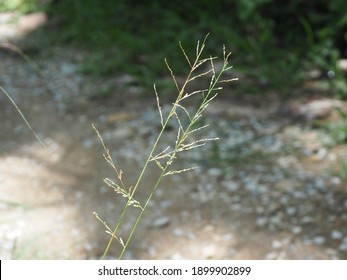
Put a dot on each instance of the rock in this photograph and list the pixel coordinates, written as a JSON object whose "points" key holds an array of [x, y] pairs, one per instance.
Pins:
{"points": [[164, 204], [209, 251], [161, 222], [315, 109], [176, 256], [271, 256], [123, 132], [296, 230], [214, 172], [290, 211], [231, 185], [88, 143], [335, 234], [319, 240], [178, 232], [276, 244], [343, 246], [342, 65], [262, 221], [307, 220], [119, 117]]}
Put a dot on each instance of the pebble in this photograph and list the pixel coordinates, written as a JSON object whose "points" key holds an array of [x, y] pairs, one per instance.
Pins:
{"points": [[103, 189], [122, 132], [322, 153], [290, 211], [178, 232], [271, 256], [228, 237], [209, 251], [262, 221], [88, 143], [164, 204], [343, 247], [306, 219], [297, 229], [231, 186], [161, 222], [214, 172], [335, 234], [319, 240], [276, 244]]}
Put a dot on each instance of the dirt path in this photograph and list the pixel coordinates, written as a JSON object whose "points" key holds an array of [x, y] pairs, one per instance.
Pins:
{"points": [[265, 191]]}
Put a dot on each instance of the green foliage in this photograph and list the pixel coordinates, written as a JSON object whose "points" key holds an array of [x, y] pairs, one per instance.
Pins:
{"points": [[338, 129], [270, 39], [23, 6]]}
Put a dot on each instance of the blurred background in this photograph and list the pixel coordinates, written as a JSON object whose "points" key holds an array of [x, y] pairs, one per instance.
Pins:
{"points": [[273, 187]]}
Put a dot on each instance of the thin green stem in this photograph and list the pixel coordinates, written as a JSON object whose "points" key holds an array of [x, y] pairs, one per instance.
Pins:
{"points": [[23, 117]]}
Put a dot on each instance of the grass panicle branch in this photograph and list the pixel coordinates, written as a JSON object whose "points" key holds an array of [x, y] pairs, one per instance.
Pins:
{"points": [[187, 124], [23, 117]]}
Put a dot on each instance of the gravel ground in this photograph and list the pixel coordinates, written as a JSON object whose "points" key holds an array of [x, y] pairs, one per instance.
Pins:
{"points": [[265, 190]]}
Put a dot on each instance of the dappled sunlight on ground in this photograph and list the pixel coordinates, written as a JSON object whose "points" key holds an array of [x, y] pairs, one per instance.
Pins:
{"points": [[265, 190]]}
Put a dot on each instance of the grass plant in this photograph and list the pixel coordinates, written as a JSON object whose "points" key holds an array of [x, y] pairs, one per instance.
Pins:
{"points": [[22, 116], [187, 125]]}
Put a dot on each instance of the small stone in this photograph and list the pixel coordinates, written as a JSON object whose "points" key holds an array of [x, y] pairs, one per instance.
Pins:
{"points": [[164, 204], [176, 256], [284, 199], [335, 234], [209, 251], [128, 255], [336, 181], [259, 210], [322, 153], [275, 220], [276, 244], [235, 206], [123, 132], [262, 221], [319, 183], [228, 237], [103, 189], [209, 228], [231, 186], [290, 211], [152, 251], [119, 117], [343, 247], [296, 230], [214, 172], [178, 232], [88, 143], [161, 222], [89, 247], [251, 185], [299, 194], [306, 219], [271, 256], [319, 240]]}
